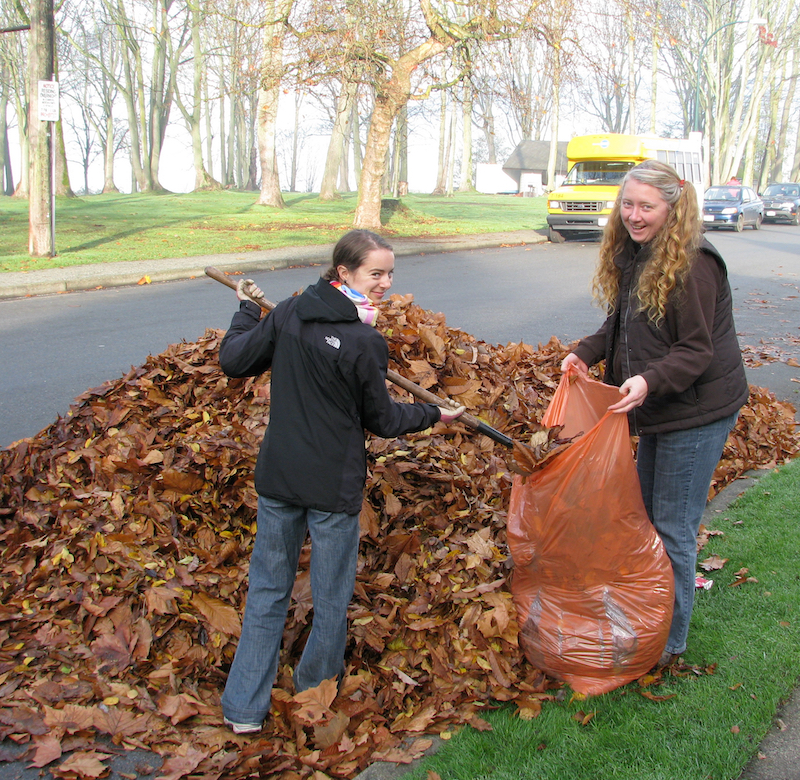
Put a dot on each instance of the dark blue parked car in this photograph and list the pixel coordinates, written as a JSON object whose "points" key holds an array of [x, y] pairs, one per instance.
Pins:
{"points": [[732, 206]]}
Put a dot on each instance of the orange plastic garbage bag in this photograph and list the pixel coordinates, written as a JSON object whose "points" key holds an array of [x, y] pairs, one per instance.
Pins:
{"points": [[592, 583]]}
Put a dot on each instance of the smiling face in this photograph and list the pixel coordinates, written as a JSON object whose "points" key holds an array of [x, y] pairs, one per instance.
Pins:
{"points": [[643, 210], [373, 277]]}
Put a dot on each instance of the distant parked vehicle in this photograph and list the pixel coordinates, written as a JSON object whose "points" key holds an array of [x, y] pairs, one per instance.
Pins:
{"points": [[732, 206], [782, 203]]}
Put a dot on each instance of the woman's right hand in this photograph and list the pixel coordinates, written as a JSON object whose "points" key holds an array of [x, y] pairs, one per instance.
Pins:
{"points": [[572, 360], [450, 411]]}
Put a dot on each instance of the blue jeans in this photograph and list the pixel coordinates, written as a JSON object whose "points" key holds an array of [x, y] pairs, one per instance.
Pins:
{"points": [[273, 568], [675, 471]]}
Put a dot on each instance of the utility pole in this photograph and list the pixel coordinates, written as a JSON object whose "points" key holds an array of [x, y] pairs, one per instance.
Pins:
{"points": [[41, 133]]}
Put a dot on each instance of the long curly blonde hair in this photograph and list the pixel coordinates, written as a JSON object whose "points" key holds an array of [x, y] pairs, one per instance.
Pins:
{"points": [[671, 250]]}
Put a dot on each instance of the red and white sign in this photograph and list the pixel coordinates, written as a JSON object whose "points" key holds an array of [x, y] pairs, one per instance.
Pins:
{"points": [[48, 101]]}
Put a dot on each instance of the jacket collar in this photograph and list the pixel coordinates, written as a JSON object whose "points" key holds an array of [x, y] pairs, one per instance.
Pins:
{"points": [[321, 302]]}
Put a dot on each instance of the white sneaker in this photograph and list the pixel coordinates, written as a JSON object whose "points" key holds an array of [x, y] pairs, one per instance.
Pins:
{"points": [[243, 728]]}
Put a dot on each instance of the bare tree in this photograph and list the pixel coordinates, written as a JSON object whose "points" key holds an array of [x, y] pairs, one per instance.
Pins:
{"points": [[336, 148], [271, 72], [608, 94], [13, 94], [193, 114]]}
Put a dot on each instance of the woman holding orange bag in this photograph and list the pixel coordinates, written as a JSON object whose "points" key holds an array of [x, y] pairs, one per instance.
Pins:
{"points": [[670, 344]]}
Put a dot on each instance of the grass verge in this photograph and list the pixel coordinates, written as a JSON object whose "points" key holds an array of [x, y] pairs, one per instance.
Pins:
{"points": [[110, 228], [742, 662]]}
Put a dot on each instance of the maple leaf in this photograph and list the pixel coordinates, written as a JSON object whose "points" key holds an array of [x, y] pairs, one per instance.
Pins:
{"points": [[221, 616], [47, 748], [583, 717], [655, 697], [112, 652], [181, 707], [419, 721], [313, 704], [183, 482], [330, 733], [422, 373], [70, 718], [83, 764], [161, 600], [185, 760], [101, 607], [116, 721], [24, 720], [742, 577], [713, 563]]}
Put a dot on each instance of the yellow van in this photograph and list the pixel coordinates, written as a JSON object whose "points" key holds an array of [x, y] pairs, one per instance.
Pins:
{"points": [[597, 165]]}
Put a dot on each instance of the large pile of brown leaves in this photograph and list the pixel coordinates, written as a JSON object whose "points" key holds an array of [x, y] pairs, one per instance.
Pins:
{"points": [[127, 527]]}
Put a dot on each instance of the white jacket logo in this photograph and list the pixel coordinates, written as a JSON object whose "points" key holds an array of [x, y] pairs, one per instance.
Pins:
{"points": [[333, 341]]}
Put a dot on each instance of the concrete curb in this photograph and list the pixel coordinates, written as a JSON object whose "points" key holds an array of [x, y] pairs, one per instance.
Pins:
{"points": [[20, 284]]}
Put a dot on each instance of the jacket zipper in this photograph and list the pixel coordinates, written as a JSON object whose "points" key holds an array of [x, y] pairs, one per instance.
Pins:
{"points": [[627, 341]]}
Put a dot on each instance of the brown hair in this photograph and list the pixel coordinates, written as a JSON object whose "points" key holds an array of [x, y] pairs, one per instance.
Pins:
{"points": [[671, 250], [352, 249]]}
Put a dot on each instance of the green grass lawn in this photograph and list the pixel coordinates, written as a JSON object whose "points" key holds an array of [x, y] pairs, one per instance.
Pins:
{"points": [[110, 228], [744, 662]]}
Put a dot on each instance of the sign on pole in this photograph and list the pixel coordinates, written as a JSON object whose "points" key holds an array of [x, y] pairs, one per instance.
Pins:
{"points": [[48, 101]]}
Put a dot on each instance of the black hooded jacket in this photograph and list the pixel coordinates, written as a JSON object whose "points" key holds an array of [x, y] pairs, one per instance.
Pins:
{"points": [[328, 384], [692, 361]]}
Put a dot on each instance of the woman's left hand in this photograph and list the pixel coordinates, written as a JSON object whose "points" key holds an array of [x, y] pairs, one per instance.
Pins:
{"points": [[634, 391], [246, 290]]}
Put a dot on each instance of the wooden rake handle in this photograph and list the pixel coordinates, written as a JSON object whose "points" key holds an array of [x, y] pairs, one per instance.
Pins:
{"points": [[398, 379]]}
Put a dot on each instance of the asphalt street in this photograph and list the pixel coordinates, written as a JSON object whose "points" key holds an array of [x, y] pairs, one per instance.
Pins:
{"points": [[57, 345]]}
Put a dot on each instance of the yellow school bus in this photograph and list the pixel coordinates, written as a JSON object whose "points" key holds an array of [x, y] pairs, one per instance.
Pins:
{"points": [[597, 165]]}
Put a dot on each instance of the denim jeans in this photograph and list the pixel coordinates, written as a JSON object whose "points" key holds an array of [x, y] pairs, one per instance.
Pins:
{"points": [[273, 568], [675, 471]]}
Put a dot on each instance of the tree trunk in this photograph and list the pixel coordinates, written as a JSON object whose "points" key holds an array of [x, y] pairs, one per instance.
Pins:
{"points": [[760, 178], [488, 131], [466, 143], [298, 99], [8, 170], [333, 160], [654, 71], [61, 183], [4, 166], [223, 148], [441, 160], [41, 62], [795, 174], [132, 97], [344, 183], [552, 157], [268, 93], [162, 78], [776, 174], [108, 157], [631, 70], [391, 93], [203, 180], [401, 139], [358, 157], [233, 170], [451, 152]]}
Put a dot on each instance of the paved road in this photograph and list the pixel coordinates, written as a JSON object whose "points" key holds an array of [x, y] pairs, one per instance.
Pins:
{"points": [[56, 346]]}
